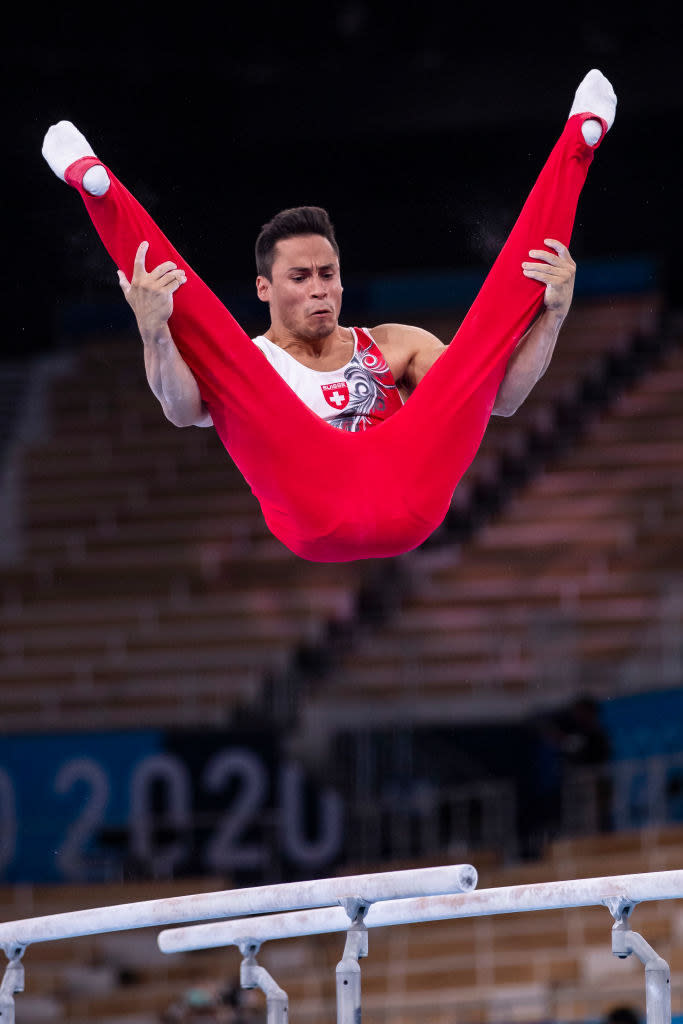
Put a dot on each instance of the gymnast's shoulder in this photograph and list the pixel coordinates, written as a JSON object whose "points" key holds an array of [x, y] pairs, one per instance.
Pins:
{"points": [[410, 351]]}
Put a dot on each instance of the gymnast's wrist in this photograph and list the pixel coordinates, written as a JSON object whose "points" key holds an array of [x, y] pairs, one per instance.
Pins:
{"points": [[154, 333], [555, 316]]}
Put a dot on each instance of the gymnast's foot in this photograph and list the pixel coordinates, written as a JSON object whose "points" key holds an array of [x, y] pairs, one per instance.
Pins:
{"points": [[63, 145], [595, 95]]}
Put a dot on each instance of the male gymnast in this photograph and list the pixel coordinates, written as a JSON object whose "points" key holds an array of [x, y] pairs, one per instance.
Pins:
{"points": [[381, 482]]}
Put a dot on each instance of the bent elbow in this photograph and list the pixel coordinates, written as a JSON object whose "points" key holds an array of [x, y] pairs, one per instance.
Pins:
{"points": [[177, 419], [505, 409]]}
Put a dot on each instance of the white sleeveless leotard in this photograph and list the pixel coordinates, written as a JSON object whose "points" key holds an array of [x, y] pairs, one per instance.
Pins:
{"points": [[354, 397]]}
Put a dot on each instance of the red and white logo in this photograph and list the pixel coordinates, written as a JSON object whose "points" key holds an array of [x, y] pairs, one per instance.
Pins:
{"points": [[336, 395]]}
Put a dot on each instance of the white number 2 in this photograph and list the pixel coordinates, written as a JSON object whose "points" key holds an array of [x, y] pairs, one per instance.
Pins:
{"points": [[224, 852], [71, 856]]}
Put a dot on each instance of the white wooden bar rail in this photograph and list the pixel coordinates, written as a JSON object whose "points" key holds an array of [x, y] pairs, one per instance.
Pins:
{"points": [[321, 892], [582, 892]]}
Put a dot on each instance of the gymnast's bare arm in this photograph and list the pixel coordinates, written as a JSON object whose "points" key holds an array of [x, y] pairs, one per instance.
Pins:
{"points": [[532, 356], [150, 296], [411, 351]]}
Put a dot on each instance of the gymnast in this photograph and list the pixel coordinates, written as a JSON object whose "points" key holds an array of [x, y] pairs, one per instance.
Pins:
{"points": [[313, 413]]}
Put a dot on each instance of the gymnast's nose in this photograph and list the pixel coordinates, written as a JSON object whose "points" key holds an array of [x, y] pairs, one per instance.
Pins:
{"points": [[318, 286]]}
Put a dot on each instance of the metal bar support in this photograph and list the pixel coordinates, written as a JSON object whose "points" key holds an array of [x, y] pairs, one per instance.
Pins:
{"points": [[657, 974], [252, 975], [348, 968], [12, 981]]}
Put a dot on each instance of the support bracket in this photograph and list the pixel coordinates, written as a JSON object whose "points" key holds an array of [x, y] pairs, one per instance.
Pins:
{"points": [[348, 968], [657, 974], [12, 981], [621, 909], [252, 975]]}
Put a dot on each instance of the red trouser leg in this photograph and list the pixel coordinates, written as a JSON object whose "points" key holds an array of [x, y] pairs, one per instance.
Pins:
{"points": [[441, 426], [327, 494]]}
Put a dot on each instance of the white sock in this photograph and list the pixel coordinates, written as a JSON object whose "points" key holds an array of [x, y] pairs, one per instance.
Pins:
{"points": [[595, 95], [63, 145]]}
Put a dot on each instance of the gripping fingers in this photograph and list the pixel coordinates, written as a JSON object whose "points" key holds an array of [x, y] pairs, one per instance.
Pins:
{"points": [[162, 269], [547, 257], [172, 278], [538, 275], [139, 262], [123, 281], [548, 270], [560, 257], [559, 248]]}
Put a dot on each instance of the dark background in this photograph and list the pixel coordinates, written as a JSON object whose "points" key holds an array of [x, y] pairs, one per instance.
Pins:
{"points": [[420, 130]]}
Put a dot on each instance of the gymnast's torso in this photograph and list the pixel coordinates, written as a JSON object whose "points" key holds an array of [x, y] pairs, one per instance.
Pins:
{"points": [[356, 396]]}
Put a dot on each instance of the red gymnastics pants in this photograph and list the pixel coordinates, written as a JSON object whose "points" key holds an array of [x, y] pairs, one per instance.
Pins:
{"points": [[328, 494]]}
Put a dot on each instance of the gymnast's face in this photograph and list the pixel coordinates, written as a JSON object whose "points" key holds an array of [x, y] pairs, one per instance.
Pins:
{"points": [[305, 292]]}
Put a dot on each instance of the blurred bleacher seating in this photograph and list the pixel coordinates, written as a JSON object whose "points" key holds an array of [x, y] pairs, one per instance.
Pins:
{"points": [[142, 581]]}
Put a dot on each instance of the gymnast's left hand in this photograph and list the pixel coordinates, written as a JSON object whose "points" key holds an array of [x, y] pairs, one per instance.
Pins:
{"points": [[556, 271]]}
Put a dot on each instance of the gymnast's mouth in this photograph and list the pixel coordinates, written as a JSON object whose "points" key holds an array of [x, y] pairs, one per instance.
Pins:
{"points": [[320, 312]]}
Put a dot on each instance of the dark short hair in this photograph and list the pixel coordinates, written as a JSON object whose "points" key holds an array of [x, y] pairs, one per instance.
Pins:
{"points": [[300, 220]]}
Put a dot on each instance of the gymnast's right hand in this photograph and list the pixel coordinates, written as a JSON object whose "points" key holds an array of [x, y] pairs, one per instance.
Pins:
{"points": [[150, 295]]}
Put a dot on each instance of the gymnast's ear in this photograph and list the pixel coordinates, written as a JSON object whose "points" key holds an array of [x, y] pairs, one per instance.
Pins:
{"points": [[263, 288]]}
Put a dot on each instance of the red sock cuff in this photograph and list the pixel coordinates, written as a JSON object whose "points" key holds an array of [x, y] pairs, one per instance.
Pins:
{"points": [[73, 175]]}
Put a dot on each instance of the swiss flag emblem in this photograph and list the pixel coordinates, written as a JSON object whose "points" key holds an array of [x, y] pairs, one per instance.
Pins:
{"points": [[336, 395]]}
